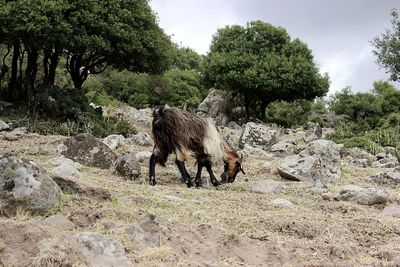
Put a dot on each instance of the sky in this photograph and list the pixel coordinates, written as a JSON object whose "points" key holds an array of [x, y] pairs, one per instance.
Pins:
{"points": [[337, 31]]}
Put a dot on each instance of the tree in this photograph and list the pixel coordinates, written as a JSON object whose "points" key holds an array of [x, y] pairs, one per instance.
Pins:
{"points": [[261, 63], [186, 58], [91, 34], [387, 48]]}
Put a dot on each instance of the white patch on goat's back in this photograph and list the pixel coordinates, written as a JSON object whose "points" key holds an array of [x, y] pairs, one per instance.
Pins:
{"points": [[213, 143]]}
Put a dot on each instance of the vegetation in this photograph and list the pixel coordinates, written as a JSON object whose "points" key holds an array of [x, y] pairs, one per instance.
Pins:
{"points": [[261, 63], [387, 48]]}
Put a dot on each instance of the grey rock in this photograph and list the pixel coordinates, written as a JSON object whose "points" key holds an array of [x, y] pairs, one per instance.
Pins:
{"points": [[267, 186], [66, 170], [173, 198], [4, 126], [320, 161], [143, 156], [284, 148], [87, 150], [99, 250], [388, 177], [128, 166], [114, 141], [385, 160], [11, 136], [143, 139], [357, 156], [25, 183], [282, 203], [318, 188], [146, 233], [314, 132], [216, 105], [392, 210], [363, 196], [257, 136]]}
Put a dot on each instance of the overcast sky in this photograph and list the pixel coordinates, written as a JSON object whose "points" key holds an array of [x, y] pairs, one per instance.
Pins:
{"points": [[337, 31]]}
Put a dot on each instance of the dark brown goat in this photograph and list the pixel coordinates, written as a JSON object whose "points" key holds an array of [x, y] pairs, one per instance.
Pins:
{"points": [[189, 135]]}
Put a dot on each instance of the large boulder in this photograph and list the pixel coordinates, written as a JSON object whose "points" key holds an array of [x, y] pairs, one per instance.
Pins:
{"points": [[86, 149], [140, 118], [128, 166], [217, 106], [314, 132], [284, 148], [258, 136], [25, 183], [363, 196], [320, 161], [143, 139]]}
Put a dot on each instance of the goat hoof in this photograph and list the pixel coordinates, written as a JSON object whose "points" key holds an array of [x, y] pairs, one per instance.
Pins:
{"points": [[152, 182], [199, 185], [189, 184], [215, 183]]}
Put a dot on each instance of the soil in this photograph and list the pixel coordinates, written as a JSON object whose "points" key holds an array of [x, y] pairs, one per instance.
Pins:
{"points": [[225, 226]]}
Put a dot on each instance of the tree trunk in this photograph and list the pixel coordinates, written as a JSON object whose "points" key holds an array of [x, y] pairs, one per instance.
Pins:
{"points": [[14, 71], [30, 75], [247, 106], [264, 105]]}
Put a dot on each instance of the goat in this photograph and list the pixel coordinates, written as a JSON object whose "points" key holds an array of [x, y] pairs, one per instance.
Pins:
{"points": [[189, 135]]}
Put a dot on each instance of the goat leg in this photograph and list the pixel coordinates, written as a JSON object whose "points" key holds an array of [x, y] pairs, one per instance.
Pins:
{"points": [[214, 180], [184, 173], [198, 175], [152, 169]]}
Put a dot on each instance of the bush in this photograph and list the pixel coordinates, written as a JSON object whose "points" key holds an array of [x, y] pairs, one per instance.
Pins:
{"points": [[68, 112]]}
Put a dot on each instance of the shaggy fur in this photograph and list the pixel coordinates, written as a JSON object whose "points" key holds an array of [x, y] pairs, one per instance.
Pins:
{"points": [[189, 135]]}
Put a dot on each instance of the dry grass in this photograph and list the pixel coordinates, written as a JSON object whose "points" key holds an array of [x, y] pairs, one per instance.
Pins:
{"points": [[315, 232]]}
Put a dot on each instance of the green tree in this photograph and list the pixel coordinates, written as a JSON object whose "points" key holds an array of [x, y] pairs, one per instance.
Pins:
{"points": [[261, 63], [185, 58], [387, 48]]}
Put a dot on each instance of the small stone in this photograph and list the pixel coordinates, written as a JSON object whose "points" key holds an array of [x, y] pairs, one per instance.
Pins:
{"points": [[267, 186], [173, 198], [4, 126], [392, 210], [282, 203]]}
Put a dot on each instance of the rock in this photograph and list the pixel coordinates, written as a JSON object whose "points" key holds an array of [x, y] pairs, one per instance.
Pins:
{"points": [[11, 136], [143, 156], [232, 136], [86, 149], [392, 210], [388, 177], [143, 139], [249, 150], [320, 161], [318, 188], [257, 136], [25, 183], [327, 196], [4, 126], [57, 222], [173, 198], [113, 141], [216, 106], [284, 148], [20, 131], [146, 233], [358, 157], [71, 184], [139, 118], [267, 186], [60, 160], [385, 160], [363, 196], [66, 170], [82, 218], [282, 203], [128, 166], [265, 167], [314, 132], [109, 225], [97, 249]]}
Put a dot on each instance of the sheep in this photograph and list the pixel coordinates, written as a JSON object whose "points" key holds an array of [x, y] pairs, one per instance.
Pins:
{"points": [[189, 135]]}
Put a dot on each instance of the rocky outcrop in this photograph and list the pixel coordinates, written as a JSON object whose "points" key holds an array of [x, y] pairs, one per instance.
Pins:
{"points": [[385, 160], [143, 139], [25, 183], [357, 156], [320, 161], [86, 149], [313, 132]]}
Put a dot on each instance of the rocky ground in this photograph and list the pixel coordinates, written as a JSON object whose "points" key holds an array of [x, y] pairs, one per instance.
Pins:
{"points": [[303, 201]]}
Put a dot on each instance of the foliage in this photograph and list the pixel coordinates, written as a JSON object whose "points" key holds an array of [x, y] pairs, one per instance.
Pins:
{"points": [[185, 58], [387, 47], [261, 63]]}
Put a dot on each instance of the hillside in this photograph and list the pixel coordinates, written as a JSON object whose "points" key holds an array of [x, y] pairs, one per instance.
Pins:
{"points": [[260, 220]]}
